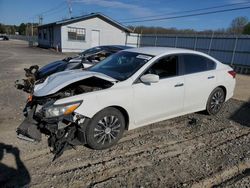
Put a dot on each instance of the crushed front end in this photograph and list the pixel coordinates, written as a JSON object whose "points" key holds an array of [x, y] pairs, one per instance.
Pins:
{"points": [[60, 123], [43, 113]]}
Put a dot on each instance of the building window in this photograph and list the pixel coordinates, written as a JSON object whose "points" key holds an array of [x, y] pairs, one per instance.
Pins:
{"points": [[76, 33], [45, 34]]}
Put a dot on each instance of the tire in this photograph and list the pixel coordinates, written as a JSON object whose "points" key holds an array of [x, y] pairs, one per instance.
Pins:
{"points": [[215, 101], [105, 129]]}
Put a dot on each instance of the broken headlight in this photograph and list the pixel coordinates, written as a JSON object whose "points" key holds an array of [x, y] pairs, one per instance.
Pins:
{"points": [[62, 109]]}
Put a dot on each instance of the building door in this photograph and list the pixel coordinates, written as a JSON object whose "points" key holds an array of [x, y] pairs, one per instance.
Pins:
{"points": [[95, 38]]}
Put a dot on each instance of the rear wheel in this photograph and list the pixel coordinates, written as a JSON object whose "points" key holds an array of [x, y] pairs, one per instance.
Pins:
{"points": [[215, 101], [105, 129]]}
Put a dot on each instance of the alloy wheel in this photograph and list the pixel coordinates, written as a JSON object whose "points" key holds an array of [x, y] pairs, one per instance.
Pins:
{"points": [[107, 129], [217, 101]]}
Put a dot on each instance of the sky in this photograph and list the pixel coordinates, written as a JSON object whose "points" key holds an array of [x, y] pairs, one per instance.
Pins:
{"points": [[18, 11]]}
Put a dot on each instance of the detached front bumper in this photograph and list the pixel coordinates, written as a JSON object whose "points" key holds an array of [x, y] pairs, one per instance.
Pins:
{"points": [[35, 124], [28, 129]]}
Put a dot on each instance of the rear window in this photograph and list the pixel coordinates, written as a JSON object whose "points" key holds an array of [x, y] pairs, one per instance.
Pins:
{"points": [[196, 63]]}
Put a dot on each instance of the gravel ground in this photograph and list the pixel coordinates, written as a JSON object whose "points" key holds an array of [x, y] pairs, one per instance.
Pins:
{"points": [[215, 151]]}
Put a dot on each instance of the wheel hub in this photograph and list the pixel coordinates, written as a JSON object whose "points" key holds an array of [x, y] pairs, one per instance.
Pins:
{"points": [[107, 130]]}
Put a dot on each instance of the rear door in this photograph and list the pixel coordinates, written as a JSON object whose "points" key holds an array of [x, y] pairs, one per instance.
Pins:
{"points": [[200, 79]]}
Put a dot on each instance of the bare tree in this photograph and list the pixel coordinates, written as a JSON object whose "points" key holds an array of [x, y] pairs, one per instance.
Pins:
{"points": [[238, 24]]}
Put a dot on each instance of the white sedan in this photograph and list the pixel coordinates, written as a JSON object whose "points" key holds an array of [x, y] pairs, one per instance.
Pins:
{"points": [[130, 89]]}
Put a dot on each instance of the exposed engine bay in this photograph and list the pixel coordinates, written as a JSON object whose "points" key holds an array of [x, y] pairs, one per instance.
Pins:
{"points": [[64, 127], [35, 75], [27, 84]]}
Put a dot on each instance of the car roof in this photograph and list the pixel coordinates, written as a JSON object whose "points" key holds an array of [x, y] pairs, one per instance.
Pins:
{"points": [[155, 51]]}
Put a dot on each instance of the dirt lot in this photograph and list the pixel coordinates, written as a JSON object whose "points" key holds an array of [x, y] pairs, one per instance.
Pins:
{"points": [[213, 152]]}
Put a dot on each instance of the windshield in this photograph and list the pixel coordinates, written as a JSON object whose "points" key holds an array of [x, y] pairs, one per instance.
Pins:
{"points": [[91, 51], [121, 65]]}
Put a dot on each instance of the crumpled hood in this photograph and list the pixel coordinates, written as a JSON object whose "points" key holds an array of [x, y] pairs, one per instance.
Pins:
{"points": [[60, 80]]}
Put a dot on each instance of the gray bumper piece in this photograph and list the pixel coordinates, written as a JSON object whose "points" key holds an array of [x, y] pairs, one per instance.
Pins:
{"points": [[28, 129]]}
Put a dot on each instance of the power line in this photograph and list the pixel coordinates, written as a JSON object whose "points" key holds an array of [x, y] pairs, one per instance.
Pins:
{"points": [[187, 15], [188, 11], [57, 10], [53, 9], [49, 11]]}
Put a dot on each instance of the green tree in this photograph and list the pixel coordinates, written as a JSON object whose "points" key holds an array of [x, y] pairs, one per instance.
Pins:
{"points": [[2, 28], [22, 29], [246, 30]]}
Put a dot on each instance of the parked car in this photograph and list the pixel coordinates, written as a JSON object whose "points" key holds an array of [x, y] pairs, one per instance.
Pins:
{"points": [[127, 90], [4, 37], [85, 59]]}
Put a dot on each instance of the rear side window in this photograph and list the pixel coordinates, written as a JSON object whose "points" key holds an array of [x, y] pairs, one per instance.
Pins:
{"points": [[196, 63]]}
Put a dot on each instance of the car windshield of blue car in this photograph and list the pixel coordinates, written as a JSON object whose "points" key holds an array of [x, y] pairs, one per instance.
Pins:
{"points": [[121, 65], [91, 51]]}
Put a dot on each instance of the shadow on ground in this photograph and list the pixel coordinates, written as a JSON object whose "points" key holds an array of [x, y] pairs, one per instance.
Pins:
{"points": [[11, 177], [242, 115]]}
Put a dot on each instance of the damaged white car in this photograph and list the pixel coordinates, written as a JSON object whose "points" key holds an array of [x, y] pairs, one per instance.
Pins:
{"points": [[127, 90]]}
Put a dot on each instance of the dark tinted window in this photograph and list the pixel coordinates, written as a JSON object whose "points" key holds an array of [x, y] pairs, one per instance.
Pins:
{"points": [[165, 67], [121, 65], [196, 63]]}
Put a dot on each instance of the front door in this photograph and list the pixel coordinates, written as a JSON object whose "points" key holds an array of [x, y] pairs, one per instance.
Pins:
{"points": [[159, 100], [95, 38]]}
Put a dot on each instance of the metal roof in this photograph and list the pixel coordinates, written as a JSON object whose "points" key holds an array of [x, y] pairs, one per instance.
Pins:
{"points": [[86, 17]]}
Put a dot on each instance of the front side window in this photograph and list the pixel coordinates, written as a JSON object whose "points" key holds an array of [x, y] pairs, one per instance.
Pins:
{"points": [[76, 33], [121, 65], [165, 67], [196, 63]]}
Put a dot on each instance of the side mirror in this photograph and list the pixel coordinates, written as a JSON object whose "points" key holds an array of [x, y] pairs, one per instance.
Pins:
{"points": [[150, 78]]}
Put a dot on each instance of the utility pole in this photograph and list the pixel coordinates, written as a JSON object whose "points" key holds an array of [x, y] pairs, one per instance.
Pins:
{"points": [[70, 8], [32, 29], [40, 17]]}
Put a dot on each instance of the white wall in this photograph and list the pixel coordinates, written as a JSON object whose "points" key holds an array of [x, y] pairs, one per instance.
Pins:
{"points": [[109, 35]]}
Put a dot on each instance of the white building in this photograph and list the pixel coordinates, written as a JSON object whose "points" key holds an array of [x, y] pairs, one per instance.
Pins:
{"points": [[80, 33]]}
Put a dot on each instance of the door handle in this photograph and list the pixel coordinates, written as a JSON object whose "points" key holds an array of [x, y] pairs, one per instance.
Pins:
{"points": [[179, 85], [210, 77]]}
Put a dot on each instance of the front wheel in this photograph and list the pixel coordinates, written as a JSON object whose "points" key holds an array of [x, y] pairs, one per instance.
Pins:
{"points": [[105, 129], [215, 101]]}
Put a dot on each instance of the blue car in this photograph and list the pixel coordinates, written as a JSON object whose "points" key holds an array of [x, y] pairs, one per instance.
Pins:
{"points": [[85, 59]]}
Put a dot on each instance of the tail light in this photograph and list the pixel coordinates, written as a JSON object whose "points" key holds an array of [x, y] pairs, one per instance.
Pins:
{"points": [[232, 73]]}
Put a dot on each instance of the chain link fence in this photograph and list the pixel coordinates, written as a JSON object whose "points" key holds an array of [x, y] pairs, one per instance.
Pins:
{"points": [[32, 40]]}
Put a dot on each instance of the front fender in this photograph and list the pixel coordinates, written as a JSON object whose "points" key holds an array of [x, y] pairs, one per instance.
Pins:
{"points": [[96, 101]]}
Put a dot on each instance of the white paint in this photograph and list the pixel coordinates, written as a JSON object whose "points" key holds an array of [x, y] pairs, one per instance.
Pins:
{"points": [[108, 35], [150, 103], [95, 38], [59, 80]]}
